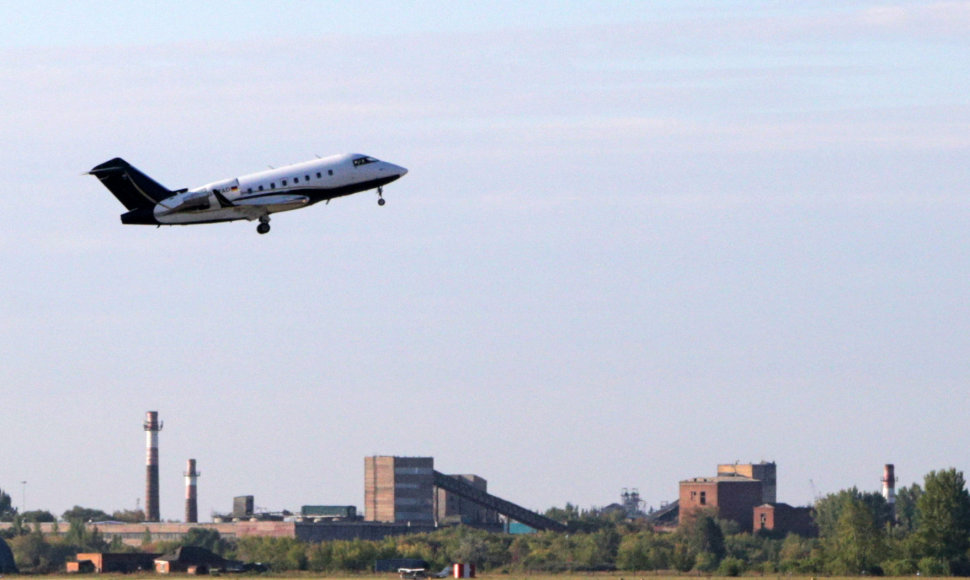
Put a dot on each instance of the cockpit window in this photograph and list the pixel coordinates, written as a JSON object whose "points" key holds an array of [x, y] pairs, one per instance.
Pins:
{"points": [[364, 161]]}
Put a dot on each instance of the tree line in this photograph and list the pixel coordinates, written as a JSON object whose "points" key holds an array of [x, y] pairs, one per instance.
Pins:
{"points": [[858, 534]]}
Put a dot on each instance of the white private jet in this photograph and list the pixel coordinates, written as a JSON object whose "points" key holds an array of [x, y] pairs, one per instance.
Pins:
{"points": [[250, 197]]}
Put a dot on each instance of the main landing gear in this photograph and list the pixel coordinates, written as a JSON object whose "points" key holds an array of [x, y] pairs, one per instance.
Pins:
{"points": [[380, 196], [263, 226]]}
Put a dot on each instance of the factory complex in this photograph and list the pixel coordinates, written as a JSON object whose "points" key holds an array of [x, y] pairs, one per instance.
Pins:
{"points": [[405, 495]]}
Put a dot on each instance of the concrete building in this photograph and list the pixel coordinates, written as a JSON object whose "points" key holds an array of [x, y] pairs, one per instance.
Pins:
{"points": [[399, 489], [765, 472], [452, 508]]}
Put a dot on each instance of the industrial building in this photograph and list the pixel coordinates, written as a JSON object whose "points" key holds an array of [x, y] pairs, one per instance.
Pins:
{"points": [[746, 494], [451, 508], [733, 493], [402, 490], [783, 519], [765, 472], [399, 489], [733, 497], [402, 495], [105, 562]]}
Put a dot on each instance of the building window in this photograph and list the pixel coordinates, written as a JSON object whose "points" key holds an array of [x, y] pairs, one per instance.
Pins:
{"points": [[703, 498]]}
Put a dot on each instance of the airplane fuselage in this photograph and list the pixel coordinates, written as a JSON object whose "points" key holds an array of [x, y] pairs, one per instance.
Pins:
{"points": [[250, 197]]}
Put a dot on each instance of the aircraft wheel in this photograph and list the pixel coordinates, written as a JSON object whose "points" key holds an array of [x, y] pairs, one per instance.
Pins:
{"points": [[263, 228], [381, 201]]}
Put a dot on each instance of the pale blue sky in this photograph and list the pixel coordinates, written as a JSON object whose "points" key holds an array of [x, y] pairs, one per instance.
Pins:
{"points": [[636, 240]]}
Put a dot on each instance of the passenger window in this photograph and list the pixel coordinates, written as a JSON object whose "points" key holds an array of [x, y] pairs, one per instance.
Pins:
{"points": [[330, 172], [295, 180], [306, 178], [284, 182], [261, 188], [272, 185], [318, 175], [250, 190]]}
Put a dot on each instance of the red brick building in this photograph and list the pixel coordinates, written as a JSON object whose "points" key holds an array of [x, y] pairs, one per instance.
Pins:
{"points": [[732, 496], [784, 519]]}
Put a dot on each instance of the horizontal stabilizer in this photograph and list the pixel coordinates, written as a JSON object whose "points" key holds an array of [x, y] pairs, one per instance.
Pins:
{"points": [[133, 188]]}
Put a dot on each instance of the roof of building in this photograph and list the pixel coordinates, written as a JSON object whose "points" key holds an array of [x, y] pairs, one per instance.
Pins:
{"points": [[783, 506], [192, 555], [721, 479]]}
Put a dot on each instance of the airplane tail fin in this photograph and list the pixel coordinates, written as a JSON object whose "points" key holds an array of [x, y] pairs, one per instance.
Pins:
{"points": [[133, 188]]}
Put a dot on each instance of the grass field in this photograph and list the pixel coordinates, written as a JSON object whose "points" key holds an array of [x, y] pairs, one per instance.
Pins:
{"points": [[510, 576]]}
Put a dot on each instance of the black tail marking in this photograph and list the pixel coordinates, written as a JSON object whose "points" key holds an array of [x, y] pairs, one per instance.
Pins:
{"points": [[133, 188]]}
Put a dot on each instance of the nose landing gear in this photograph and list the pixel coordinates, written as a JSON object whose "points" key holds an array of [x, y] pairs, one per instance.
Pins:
{"points": [[263, 227], [380, 196]]}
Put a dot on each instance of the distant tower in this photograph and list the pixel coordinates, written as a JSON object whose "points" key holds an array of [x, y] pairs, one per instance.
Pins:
{"points": [[632, 502], [152, 427], [191, 493], [889, 487]]}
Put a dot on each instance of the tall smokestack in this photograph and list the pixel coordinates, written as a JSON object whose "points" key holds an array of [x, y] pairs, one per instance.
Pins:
{"points": [[889, 484], [889, 489], [191, 493], [152, 427]]}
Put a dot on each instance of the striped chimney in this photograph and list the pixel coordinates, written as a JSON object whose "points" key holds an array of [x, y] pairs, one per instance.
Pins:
{"points": [[191, 493], [152, 427]]}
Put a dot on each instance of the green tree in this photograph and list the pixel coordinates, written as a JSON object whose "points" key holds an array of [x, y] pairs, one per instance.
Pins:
{"points": [[280, 554], [828, 509], [578, 520], [704, 536], [7, 511], [634, 552], [83, 539], [906, 508], [730, 567], [129, 516], [471, 549], [85, 514], [34, 516], [18, 528], [795, 555], [943, 526], [205, 538], [860, 540]]}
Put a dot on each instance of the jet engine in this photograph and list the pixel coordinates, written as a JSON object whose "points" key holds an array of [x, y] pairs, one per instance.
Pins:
{"points": [[185, 201]]}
